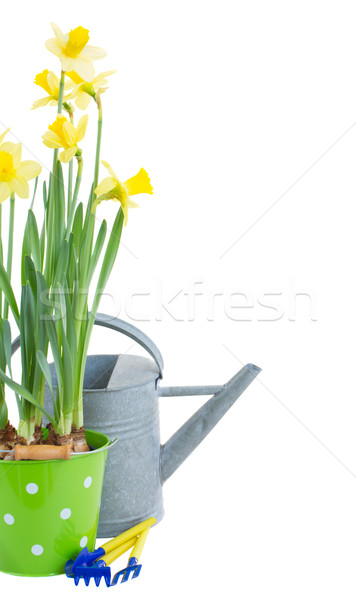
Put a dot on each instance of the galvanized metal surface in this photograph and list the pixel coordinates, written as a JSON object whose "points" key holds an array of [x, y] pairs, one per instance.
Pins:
{"points": [[127, 408]]}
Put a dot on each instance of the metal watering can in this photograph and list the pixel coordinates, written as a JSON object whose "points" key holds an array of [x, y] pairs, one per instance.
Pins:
{"points": [[121, 395]]}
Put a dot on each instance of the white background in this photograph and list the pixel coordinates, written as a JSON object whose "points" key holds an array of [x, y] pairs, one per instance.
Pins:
{"points": [[244, 115]]}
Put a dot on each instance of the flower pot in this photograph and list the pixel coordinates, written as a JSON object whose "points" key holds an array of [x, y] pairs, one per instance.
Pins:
{"points": [[49, 510]]}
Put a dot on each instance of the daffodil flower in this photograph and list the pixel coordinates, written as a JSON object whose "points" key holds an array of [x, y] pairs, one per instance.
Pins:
{"points": [[14, 174], [74, 52], [63, 134], [84, 89], [49, 82], [111, 188]]}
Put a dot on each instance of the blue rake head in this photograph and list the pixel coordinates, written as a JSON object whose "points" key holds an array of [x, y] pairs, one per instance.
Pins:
{"points": [[132, 567], [96, 571]]}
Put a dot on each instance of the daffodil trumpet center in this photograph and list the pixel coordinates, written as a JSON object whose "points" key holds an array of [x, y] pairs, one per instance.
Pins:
{"points": [[78, 39], [7, 170], [58, 128], [42, 80]]}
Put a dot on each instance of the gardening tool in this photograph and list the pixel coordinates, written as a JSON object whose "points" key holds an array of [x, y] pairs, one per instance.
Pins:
{"points": [[121, 395], [41, 452], [87, 566], [132, 566], [44, 452]]}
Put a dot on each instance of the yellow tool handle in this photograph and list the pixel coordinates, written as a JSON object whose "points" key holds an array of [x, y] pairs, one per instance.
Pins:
{"points": [[114, 554], [138, 547], [127, 535]]}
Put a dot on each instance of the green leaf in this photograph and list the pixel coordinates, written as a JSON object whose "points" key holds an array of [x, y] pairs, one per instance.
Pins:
{"points": [[96, 252], [30, 273], [34, 240], [59, 222], [77, 227], [7, 344], [69, 400], [24, 393], [3, 414], [42, 304], [109, 259], [5, 284], [34, 193], [62, 263], [56, 351], [45, 196], [42, 361]]}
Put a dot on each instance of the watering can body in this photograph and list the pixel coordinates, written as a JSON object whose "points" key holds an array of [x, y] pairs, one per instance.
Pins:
{"points": [[121, 399]]}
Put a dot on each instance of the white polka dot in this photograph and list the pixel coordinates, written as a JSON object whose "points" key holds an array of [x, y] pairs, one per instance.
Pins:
{"points": [[9, 519], [88, 482], [65, 513], [32, 488], [83, 542], [37, 550]]}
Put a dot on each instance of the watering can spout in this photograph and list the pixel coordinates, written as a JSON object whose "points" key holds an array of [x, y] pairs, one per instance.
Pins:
{"points": [[188, 437]]}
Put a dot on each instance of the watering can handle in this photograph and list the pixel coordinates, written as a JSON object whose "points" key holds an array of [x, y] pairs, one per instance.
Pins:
{"points": [[122, 327]]}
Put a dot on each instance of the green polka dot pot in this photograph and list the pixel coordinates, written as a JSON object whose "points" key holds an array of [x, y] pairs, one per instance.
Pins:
{"points": [[49, 510]]}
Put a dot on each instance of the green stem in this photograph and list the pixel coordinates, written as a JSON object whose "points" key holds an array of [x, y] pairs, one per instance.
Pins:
{"points": [[61, 92], [10, 249], [70, 179], [70, 176], [75, 196], [98, 142], [59, 111], [51, 207]]}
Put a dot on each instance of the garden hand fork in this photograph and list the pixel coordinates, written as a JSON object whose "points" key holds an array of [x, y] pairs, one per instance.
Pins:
{"points": [[132, 565]]}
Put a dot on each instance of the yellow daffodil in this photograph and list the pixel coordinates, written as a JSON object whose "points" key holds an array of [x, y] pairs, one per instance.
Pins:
{"points": [[14, 174], [63, 134], [49, 82], [111, 188], [74, 52], [84, 89], [2, 136]]}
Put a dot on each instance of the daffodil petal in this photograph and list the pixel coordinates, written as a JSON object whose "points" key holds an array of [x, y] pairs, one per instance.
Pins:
{"points": [[8, 147], [92, 53], [4, 191], [53, 46], [17, 153], [19, 186], [53, 82], [41, 102], [84, 68], [67, 154], [28, 169], [105, 186], [68, 62], [81, 127], [132, 204], [110, 169], [125, 210], [105, 74], [51, 140], [82, 100], [60, 36], [69, 133]]}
